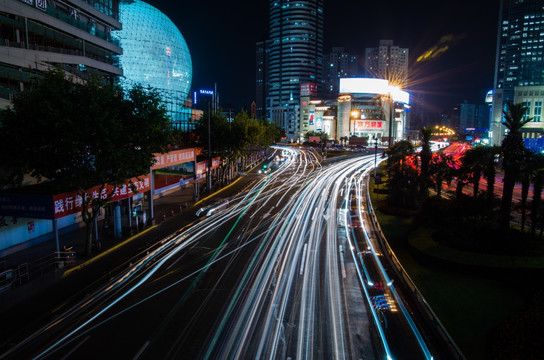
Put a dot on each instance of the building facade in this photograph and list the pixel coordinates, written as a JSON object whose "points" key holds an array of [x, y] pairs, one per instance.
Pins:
{"points": [[519, 56], [155, 54], [73, 35], [293, 56], [473, 116], [366, 110], [339, 63], [533, 132], [387, 61]]}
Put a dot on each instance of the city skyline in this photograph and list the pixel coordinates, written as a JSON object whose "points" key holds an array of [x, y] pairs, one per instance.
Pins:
{"points": [[221, 38]]}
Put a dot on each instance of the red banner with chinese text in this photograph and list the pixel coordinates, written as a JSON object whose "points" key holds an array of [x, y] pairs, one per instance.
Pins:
{"points": [[71, 202], [173, 158]]}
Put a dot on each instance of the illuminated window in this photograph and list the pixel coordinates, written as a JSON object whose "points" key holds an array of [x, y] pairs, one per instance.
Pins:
{"points": [[537, 111]]}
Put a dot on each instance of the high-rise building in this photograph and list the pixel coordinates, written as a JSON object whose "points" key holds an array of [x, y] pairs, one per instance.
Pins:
{"points": [[339, 63], [260, 76], [387, 62], [473, 116], [519, 56], [293, 56], [73, 35]]}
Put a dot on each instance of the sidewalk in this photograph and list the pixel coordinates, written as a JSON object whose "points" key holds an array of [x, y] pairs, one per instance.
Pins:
{"points": [[172, 208]]}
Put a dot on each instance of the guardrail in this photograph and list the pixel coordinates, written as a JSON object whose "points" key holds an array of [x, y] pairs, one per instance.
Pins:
{"points": [[25, 272], [403, 276]]}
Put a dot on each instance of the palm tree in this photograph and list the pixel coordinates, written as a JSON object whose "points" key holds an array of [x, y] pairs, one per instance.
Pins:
{"points": [[489, 155], [512, 150], [425, 156], [402, 175], [472, 165], [441, 168]]}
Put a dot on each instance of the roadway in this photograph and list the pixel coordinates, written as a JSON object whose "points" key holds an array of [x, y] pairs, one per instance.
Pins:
{"points": [[290, 269]]}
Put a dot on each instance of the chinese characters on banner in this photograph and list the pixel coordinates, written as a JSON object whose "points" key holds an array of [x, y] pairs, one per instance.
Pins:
{"points": [[201, 167], [71, 202], [173, 158], [369, 124]]}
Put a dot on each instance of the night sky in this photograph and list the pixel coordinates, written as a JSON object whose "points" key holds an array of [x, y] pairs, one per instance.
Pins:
{"points": [[221, 37]]}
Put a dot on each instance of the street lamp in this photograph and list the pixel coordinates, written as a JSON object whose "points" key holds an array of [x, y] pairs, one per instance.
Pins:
{"points": [[375, 156]]}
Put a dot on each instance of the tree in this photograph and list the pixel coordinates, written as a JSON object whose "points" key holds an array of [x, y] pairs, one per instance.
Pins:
{"points": [[473, 167], [425, 155], [489, 170], [442, 169], [78, 135], [237, 139], [402, 174], [512, 150]]}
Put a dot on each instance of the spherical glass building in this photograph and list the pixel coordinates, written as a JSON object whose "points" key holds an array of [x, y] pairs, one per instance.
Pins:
{"points": [[155, 54]]}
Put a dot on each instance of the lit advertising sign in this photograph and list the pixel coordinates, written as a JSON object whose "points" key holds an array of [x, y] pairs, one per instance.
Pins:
{"points": [[216, 161], [327, 125], [201, 167], [319, 124], [308, 89], [373, 86], [206, 92], [312, 114], [175, 157], [362, 125]]}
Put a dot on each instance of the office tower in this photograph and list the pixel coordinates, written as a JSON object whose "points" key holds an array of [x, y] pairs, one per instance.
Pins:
{"points": [[294, 55], [260, 76], [473, 116], [387, 62], [339, 63], [519, 55], [73, 35]]}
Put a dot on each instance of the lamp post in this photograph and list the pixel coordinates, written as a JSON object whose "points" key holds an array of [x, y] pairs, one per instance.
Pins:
{"points": [[354, 115], [208, 175], [391, 120], [375, 156]]}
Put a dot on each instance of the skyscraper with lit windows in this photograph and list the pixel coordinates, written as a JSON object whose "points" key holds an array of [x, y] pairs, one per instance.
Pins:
{"points": [[519, 57], [294, 56], [387, 61]]}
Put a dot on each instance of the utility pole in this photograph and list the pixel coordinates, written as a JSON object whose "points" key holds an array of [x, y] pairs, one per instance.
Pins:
{"points": [[208, 174]]}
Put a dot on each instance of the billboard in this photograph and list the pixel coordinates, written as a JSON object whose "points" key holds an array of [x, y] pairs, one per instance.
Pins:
{"points": [[60, 205], [362, 125], [175, 157], [71, 202], [308, 89], [373, 86]]}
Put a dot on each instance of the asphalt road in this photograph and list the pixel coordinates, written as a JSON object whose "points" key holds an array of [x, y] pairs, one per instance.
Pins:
{"points": [[282, 272]]}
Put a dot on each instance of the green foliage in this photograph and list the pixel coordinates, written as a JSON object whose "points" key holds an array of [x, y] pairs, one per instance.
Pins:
{"points": [[82, 135], [231, 140], [323, 137], [79, 135], [402, 175], [425, 156], [512, 150]]}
